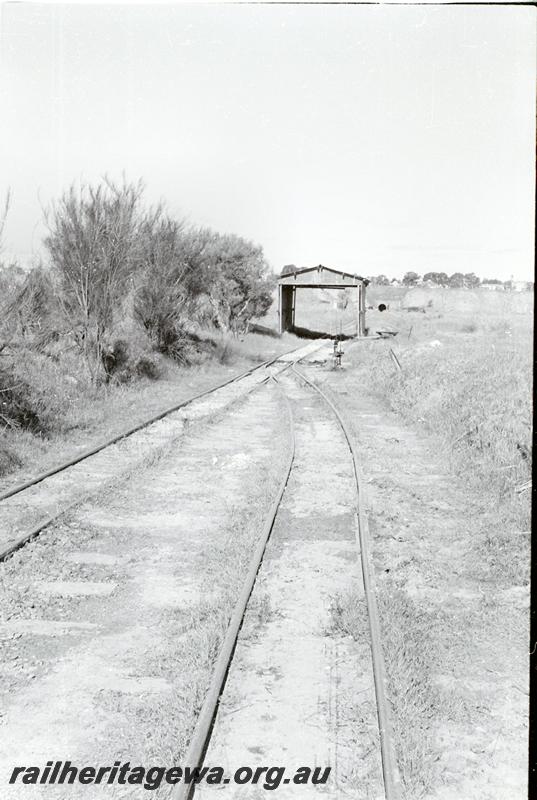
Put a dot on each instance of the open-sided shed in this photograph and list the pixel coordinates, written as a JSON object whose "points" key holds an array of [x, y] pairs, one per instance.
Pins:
{"points": [[319, 277]]}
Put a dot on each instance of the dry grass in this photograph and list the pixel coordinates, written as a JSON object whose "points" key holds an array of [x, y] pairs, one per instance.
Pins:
{"points": [[348, 617], [416, 704], [473, 392], [466, 380]]}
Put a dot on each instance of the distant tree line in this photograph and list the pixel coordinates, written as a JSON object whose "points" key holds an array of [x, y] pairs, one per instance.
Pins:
{"points": [[457, 280]]}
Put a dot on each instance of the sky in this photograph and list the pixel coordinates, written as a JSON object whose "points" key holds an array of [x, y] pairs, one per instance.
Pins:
{"points": [[371, 138]]}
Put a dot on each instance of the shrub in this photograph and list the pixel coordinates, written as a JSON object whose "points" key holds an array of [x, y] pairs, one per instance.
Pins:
{"points": [[36, 393], [18, 405], [9, 461], [148, 367], [241, 284], [130, 358], [225, 352], [173, 277], [95, 244]]}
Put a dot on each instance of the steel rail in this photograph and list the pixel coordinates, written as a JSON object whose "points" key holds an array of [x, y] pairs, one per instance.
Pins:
{"points": [[205, 721], [390, 771], [15, 544], [140, 426]]}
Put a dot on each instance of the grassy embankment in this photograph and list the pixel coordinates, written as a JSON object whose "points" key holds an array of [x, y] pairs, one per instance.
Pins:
{"points": [[70, 414], [465, 379]]}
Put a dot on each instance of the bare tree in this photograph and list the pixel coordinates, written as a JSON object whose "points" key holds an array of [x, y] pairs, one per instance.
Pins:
{"points": [[3, 217], [6, 297]]}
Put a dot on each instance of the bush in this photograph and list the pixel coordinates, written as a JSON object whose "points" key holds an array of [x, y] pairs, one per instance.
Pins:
{"points": [[96, 248], [225, 352], [241, 284], [36, 393], [199, 276], [130, 358], [148, 367], [173, 278], [9, 461], [19, 404]]}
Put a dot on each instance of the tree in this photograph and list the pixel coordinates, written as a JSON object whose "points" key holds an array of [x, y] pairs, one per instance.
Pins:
{"points": [[471, 280], [36, 305], [288, 269], [456, 281], [411, 278], [3, 217], [380, 280], [176, 273], [439, 278], [95, 244], [12, 279], [240, 283]]}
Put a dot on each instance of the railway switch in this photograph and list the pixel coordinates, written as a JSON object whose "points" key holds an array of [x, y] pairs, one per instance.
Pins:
{"points": [[337, 353]]}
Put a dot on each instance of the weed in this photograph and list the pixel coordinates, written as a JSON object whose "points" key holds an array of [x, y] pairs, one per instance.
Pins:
{"points": [[469, 327], [8, 460], [408, 635], [225, 351]]}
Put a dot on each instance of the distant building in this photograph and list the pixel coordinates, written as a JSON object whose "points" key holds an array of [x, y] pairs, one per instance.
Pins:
{"points": [[520, 286], [493, 287]]}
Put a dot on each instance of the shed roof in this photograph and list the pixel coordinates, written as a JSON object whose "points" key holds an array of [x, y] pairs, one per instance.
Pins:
{"points": [[321, 276]]}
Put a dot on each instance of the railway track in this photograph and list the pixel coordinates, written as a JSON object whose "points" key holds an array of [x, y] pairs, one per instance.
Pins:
{"points": [[208, 719], [277, 371], [25, 511]]}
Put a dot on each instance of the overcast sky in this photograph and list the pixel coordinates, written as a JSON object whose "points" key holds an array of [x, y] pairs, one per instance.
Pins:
{"points": [[372, 138]]}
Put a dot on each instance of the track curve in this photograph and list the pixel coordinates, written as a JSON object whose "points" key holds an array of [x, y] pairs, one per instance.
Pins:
{"points": [[194, 756], [392, 785]]}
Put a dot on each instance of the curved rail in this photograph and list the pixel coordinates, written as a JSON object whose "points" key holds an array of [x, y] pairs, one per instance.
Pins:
{"points": [[203, 729], [200, 739], [390, 771]]}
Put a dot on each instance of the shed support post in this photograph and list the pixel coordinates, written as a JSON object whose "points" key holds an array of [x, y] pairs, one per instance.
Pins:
{"points": [[361, 310], [286, 308]]}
